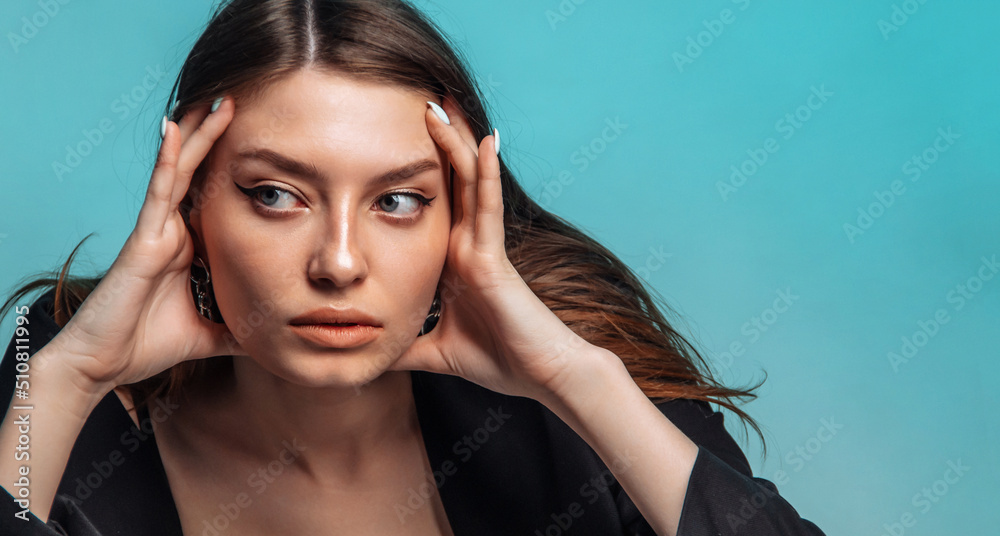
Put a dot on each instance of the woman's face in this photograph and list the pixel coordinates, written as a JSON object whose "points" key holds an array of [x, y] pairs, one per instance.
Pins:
{"points": [[327, 226]]}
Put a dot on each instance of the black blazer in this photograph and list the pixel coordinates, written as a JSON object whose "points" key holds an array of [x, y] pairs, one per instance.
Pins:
{"points": [[503, 465]]}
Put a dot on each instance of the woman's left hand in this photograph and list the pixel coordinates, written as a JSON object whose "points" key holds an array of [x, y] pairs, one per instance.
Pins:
{"points": [[493, 330]]}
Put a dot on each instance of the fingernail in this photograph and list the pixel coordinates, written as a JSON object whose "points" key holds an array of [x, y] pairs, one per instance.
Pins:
{"points": [[496, 141], [440, 112], [216, 103], [163, 127]]}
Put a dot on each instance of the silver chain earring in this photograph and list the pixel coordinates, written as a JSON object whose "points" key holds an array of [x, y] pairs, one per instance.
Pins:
{"points": [[433, 315], [203, 290]]}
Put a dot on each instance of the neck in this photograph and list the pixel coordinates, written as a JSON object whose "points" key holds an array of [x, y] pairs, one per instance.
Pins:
{"points": [[328, 430]]}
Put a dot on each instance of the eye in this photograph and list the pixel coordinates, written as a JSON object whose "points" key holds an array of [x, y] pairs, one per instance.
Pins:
{"points": [[406, 204], [268, 196]]}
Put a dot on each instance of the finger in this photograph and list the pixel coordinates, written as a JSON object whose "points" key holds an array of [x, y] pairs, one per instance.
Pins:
{"points": [[456, 198], [422, 355], [464, 160], [198, 145], [191, 120], [461, 124], [159, 191], [459, 121], [222, 341], [489, 235]]}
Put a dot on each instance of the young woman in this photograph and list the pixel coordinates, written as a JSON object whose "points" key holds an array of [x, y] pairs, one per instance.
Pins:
{"points": [[384, 334]]}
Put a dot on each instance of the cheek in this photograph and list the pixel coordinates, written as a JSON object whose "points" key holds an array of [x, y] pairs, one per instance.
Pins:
{"points": [[256, 270], [247, 274], [408, 268], [408, 264]]}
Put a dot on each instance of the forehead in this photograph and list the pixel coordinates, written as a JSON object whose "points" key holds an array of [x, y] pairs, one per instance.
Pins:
{"points": [[334, 121]]}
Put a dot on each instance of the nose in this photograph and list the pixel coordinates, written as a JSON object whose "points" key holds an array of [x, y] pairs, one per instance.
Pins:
{"points": [[339, 257]]}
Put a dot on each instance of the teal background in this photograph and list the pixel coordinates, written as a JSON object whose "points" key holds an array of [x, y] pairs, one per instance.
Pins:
{"points": [[553, 83]]}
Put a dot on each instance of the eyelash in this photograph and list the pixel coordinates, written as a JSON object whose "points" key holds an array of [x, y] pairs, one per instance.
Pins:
{"points": [[252, 193]]}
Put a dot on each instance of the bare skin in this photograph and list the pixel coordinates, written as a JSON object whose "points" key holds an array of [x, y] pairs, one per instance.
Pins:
{"points": [[325, 242], [337, 247], [340, 239], [205, 448]]}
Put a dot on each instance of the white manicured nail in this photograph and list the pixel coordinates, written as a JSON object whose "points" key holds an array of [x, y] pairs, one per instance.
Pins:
{"points": [[440, 112], [216, 103], [163, 127], [496, 141]]}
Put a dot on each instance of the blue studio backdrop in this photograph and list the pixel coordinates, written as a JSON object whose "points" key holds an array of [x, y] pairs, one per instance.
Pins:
{"points": [[812, 186]]}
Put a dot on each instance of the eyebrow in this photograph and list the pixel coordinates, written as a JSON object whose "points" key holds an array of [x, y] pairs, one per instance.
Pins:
{"points": [[310, 172]]}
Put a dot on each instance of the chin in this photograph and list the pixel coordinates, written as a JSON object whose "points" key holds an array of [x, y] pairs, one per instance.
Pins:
{"points": [[331, 370]]}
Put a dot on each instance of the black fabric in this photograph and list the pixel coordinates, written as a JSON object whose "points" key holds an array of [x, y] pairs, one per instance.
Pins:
{"points": [[503, 465]]}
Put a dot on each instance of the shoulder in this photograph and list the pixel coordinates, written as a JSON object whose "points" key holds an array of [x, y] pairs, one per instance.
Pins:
{"points": [[706, 428]]}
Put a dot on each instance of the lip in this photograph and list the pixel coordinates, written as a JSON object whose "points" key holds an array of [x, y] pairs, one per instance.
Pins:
{"points": [[318, 326], [337, 336], [331, 315]]}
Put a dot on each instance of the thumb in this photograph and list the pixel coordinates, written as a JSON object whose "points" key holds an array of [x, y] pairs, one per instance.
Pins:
{"points": [[423, 354], [223, 342]]}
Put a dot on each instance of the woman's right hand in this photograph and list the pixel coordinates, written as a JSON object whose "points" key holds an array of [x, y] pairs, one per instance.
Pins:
{"points": [[141, 318]]}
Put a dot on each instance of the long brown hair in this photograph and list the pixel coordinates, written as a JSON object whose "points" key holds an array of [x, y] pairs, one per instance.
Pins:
{"points": [[249, 44]]}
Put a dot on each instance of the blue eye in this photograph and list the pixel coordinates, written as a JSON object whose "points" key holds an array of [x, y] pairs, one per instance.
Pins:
{"points": [[412, 203], [267, 195]]}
